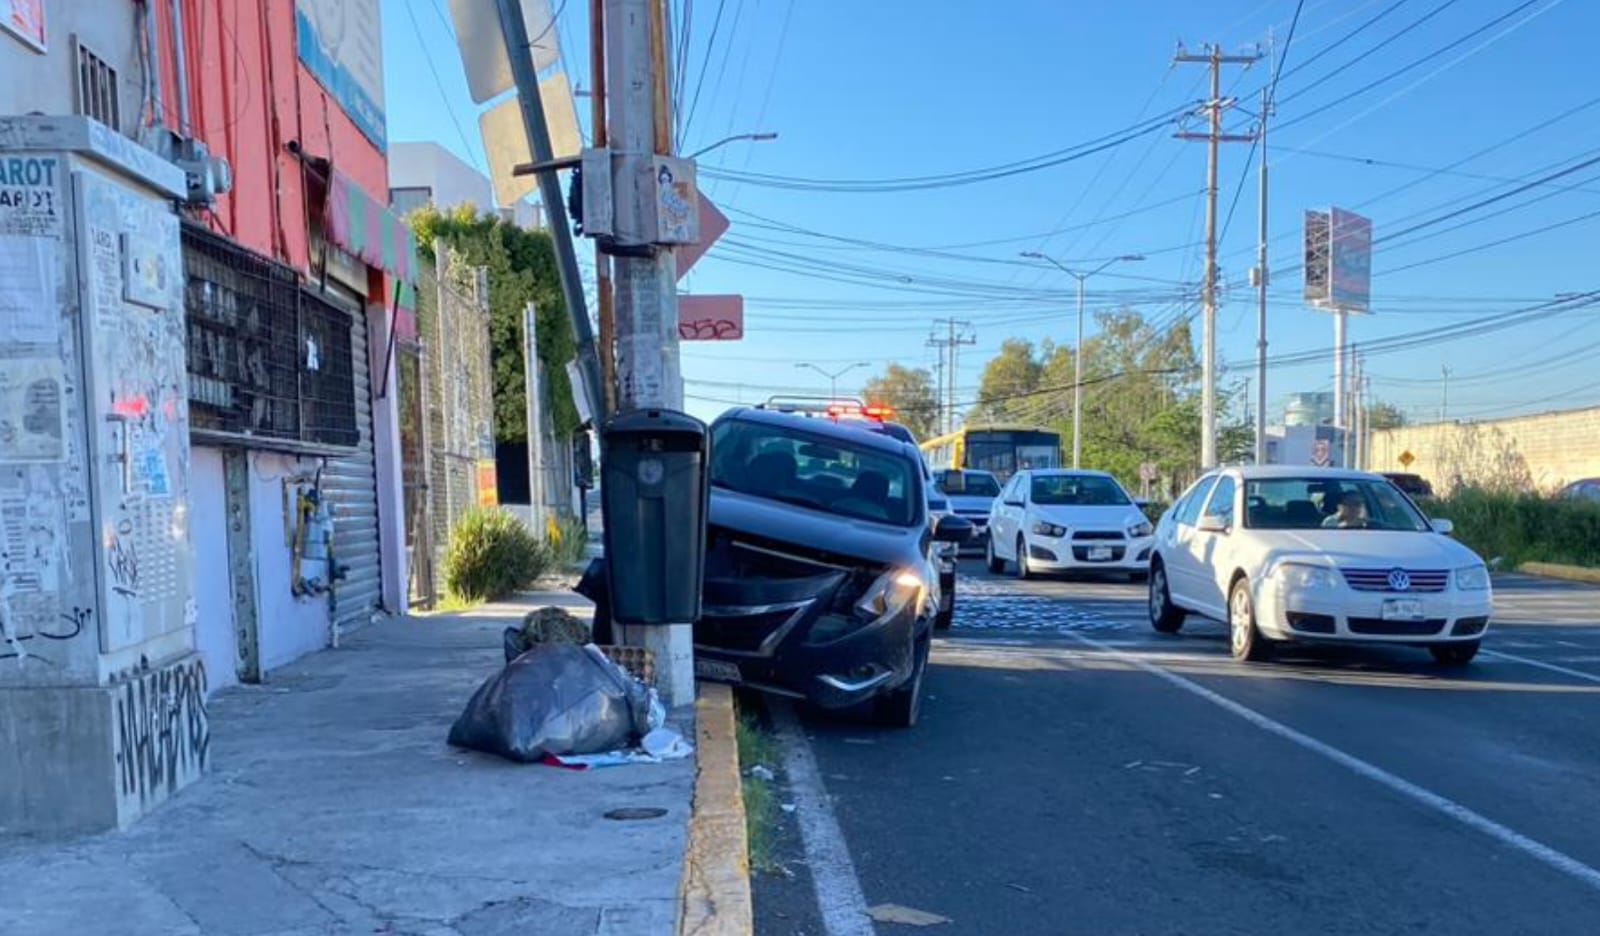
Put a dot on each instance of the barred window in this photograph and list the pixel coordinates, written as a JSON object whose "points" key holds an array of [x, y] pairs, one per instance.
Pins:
{"points": [[268, 360]]}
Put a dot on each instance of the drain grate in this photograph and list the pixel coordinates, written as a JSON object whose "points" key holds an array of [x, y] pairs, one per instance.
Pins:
{"points": [[635, 813]]}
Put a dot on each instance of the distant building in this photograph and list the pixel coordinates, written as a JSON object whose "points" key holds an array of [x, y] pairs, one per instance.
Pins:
{"points": [[428, 174]]}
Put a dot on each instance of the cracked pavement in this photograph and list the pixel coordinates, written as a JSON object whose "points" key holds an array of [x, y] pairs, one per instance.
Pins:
{"points": [[334, 806]]}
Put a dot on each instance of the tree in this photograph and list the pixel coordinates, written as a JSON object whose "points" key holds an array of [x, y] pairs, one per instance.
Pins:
{"points": [[1385, 416], [910, 391], [1007, 378], [522, 269]]}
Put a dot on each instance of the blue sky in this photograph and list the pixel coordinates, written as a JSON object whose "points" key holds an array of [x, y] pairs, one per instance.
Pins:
{"points": [[890, 89]]}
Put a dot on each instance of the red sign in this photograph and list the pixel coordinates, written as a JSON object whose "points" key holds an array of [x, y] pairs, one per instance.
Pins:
{"points": [[24, 18], [713, 224], [710, 318]]}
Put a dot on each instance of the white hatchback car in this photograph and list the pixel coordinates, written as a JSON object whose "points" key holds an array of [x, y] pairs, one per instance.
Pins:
{"points": [[1297, 553], [1060, 520]]}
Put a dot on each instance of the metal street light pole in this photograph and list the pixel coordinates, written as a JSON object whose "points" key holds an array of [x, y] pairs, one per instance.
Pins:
{"points": [[752, 137], [833, 376], [1077, 353]]}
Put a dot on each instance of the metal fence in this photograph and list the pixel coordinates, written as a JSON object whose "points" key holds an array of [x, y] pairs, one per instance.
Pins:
{"points": [[456, 380]]}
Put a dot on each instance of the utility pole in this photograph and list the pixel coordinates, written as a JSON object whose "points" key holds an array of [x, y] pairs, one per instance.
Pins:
{"points": [[1262, 275], [535, 415], [638, 125], [957, 333], [1214, 136], [1444, 394], [605, 311]]}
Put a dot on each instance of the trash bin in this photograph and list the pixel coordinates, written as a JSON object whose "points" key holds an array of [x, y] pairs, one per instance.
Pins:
{"points": [[654, 491]]}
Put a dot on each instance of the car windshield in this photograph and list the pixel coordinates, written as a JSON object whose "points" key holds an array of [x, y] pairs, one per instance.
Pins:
{"points": [[1329, 503], [1078, 490], [974, 485], [791, 465]]}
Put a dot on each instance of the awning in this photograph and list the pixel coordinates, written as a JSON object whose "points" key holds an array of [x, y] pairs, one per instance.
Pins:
{"points": [[369, 230]]}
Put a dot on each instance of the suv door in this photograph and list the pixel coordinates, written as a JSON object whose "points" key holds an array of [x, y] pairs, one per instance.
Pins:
{"points": [[1208, 550], [1178, 540]]}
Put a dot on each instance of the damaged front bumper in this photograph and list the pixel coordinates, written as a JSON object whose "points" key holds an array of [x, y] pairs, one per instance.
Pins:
{"points": [[798, 637]]}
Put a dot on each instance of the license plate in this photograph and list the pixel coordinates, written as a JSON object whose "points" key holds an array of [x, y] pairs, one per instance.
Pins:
{"points": [[717, 670], [1402, 609], [1099, 553]]}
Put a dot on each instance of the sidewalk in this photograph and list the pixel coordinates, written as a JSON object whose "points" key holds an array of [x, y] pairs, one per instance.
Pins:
{"points": [[333, 806]]}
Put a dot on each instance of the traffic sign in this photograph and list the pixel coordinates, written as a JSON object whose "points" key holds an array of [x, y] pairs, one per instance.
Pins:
{"points": [[1321, 453], [1406, 458], [1149, 471]]}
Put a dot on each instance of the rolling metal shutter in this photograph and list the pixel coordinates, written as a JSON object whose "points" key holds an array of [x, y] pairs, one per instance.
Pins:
{"points": [[350, 484]]}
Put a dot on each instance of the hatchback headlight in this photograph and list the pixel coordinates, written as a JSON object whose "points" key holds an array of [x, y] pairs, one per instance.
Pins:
{"points": [[1472, 578], [1140, 530], [890, 595], [1307, 576], [1041, 528]]}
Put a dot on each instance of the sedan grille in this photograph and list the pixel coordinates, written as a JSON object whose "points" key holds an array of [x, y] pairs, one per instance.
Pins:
{"points": [[1397, 580], [1097, 535], [1378, 626]]}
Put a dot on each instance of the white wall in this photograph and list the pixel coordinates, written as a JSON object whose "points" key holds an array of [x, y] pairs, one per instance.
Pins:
{"points": [[429, 165], [386, 449], [215, 636], [289, 627]]}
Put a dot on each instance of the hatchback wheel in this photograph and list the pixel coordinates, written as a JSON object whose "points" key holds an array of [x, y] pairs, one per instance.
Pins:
{"points": [[1245, 639], [1165, 616], [1023, 571], [1454, 654]]}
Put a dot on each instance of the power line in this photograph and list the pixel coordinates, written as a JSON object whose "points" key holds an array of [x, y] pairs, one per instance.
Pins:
{"points": [[438, 83], [705, 68]]}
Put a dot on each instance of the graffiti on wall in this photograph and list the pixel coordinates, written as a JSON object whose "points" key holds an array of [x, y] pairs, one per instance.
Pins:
{"points": [[163, 735]]}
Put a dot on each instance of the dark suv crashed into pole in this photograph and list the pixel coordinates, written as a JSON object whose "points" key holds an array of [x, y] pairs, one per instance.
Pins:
{"points": [[821, 578]]}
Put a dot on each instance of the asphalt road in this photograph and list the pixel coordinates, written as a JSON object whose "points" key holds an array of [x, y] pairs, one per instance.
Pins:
{"points": [[1076, 773]]}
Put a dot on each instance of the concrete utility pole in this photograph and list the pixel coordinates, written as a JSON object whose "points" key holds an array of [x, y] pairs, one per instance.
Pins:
{"points": [[1214, 136], [1262, 275], [638, 128], [533, 392], [1444, 394], [957, 333]]}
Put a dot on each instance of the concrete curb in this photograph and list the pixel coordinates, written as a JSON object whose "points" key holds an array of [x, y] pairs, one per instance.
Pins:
{"points": [[1556, 571], [716, 871]]}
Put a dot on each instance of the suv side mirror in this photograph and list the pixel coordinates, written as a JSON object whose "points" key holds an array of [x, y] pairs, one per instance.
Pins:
{"points": [[952, 528]]}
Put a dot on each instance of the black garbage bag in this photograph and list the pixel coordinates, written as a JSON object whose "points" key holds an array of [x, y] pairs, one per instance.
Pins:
{"points": [[554, 699]]}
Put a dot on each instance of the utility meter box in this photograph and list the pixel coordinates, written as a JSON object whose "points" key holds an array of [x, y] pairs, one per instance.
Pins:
{"points": [[655, 490]]}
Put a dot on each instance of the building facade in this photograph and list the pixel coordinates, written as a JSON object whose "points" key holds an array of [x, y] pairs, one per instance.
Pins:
{"points": [[266, 120]]}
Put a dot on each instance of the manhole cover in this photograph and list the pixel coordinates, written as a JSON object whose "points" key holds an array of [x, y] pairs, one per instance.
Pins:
{"points": [[631, 813]]}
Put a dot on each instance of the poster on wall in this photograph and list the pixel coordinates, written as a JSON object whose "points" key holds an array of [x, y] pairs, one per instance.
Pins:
{"points": [[340, 42], [32, 424], [25, 20]]}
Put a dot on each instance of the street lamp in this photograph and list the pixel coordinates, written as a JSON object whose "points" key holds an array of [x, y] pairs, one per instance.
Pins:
{"points": [[1077, 366], [752, 137], [833, 376]]}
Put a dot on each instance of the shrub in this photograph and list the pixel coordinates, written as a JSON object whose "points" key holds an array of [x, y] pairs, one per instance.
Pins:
{"points": [[569, 541], [1524, 527], [492, 554]]}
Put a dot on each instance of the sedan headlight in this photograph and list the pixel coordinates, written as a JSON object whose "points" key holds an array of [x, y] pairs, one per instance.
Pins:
{"points": [[890, 595], [1041, 528], [1140, 530], [1472, 578], [1307, 576]]}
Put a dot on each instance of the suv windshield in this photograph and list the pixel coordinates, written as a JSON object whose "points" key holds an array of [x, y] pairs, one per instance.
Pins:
{"points": [[1078, 490], [1329, 503], [790, 465]]}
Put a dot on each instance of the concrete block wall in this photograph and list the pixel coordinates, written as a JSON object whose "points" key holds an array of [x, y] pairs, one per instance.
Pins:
{"points": [[1547, 451]]}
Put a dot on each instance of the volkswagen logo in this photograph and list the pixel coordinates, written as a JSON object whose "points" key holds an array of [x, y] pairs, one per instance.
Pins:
{"points": [[1399, 580]]}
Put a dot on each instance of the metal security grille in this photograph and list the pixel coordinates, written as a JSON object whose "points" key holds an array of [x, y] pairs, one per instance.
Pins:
{"points": [[268, 361], [97, 89], [350, 484]]}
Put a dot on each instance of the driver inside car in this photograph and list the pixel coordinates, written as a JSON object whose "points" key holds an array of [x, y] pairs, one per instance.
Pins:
{"points": [[1352, 513]]}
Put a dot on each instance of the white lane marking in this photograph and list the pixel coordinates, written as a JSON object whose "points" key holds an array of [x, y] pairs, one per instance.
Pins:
{"points": [[833, 875], [1529, 661], [1507, 836]]}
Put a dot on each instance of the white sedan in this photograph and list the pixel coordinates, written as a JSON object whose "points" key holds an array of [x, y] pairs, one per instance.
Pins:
{"points": [[1295, 553], [1058, 520]]}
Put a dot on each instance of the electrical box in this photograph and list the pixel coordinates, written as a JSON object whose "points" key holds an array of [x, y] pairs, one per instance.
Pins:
{"points": [[95, 557], [656, 491], [599, 214]]}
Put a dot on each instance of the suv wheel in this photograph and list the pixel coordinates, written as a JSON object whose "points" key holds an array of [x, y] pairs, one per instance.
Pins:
{"points": [[900, 708]]}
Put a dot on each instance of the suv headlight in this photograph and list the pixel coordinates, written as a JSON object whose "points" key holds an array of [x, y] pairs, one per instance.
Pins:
{"points": [[1472, 578], [890, 595], [1140, 530], [1041, 528], [1307, 576]]}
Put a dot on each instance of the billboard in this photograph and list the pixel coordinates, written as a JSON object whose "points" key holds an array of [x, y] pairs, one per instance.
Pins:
{"points": [[25, 20], [1350, 261], [341, 43], [1316, 259]]}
